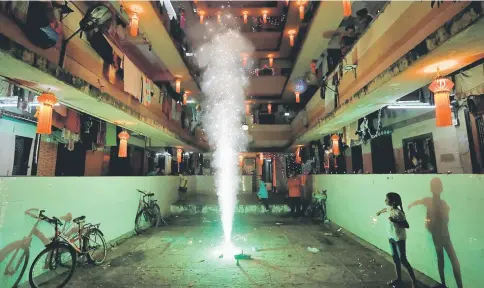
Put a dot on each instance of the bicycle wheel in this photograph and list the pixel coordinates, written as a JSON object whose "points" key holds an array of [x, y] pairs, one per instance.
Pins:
{"points": [[96, 246], [53, 267], [142, 220], [16, 261], [155, 215]]}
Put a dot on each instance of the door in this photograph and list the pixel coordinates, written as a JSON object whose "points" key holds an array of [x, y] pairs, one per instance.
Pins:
{"points": [[382, 156], [21, 156], [357, 159]]}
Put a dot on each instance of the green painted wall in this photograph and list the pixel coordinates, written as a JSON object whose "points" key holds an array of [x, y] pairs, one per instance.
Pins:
{"points": [[353, 201], [111, 201]]}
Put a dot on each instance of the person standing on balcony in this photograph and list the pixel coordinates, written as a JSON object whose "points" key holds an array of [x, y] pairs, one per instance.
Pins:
{"points": [[363, 19], [348, 40]]}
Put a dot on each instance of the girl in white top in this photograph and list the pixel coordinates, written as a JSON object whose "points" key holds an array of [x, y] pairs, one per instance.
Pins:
{"points": [[397, 237]]}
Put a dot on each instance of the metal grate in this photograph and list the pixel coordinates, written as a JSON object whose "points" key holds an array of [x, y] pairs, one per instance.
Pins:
{"points": [[480, 135]]}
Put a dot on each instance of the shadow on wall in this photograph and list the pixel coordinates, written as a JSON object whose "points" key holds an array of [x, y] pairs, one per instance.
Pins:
{"points": [[437, 223]]}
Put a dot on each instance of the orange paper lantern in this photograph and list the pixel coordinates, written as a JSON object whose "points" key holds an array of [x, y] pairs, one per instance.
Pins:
{"points": [[202, 14], [297, 97], [244, 61], [133, 27], [271, 60], [247, 109], [264, 17], [291, 37], [298, 159], [269, 108], [44, 114], [179, 153], [177, 85], [335, 140], [123, 144], [346, 8], [301, 12], [219, 18], [441, 87], [245, 16], [185, 96]]}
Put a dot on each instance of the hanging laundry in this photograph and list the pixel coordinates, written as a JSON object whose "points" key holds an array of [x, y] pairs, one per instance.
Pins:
{"points": [[147, 90], [132, 79], [111, 135], [22, 103], [73, 122]]}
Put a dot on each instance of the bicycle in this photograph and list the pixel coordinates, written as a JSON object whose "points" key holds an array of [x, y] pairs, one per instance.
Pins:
{"points": [[61, 254], [18, 252], [149, 211], [317, 209]]}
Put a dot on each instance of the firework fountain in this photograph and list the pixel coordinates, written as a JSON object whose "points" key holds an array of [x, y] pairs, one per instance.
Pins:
{"points": [[223, 86]]}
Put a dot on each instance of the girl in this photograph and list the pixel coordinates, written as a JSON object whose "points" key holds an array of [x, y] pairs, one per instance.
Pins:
{"points": [[263, 195], [397, 237]]}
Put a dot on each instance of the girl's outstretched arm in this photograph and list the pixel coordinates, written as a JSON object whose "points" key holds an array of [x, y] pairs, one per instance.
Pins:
{"points": [[384, 210]]}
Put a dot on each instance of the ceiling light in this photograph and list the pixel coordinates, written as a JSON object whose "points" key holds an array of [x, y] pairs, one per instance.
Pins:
{"points": [[410, 107], [442, 65], [245, 127], [286, 114]]}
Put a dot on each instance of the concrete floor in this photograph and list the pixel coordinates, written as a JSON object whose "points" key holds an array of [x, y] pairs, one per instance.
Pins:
{"points": [[187, 254]]}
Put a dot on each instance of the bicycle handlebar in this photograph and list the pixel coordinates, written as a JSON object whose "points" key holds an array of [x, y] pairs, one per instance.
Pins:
{"points": [[145, 194], [51, 220]]}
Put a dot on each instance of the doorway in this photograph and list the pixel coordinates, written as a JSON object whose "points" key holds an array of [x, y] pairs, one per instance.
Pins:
{"points": [[23, 146], [357, 159], [382, 155]]}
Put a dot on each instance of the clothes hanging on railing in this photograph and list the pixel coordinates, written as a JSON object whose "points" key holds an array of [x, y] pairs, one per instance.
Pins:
{"points": [[132, 79]]}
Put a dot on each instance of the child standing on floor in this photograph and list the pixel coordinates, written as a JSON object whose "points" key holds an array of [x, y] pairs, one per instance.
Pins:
{"points": [[263, 195], [397, 237]]}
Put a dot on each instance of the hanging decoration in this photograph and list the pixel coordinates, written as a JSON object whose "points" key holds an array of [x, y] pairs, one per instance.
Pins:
{"points": [[44, 113], [245, 13], [441, 87], [335, 146], [133, 25], [298, 159], [112, 74], [179, 154], [185, 97], [264, 16], [271, 60], [269, 108], [244, 61], [202, 15], [346, 8], [177, 85], [123, 144], [219, 18], [299, 86], [261, 158], [241, 161], [291, 37], [247, 109], [301, 9]]}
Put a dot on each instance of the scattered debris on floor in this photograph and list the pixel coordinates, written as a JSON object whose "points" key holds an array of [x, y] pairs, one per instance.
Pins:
{"points": [[278, 223], [312, 249], [328, 234]]}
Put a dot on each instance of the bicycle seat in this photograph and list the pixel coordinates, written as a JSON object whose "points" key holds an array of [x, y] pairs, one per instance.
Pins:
{"points": [[67, 217], [150, 194], [79, 219]]}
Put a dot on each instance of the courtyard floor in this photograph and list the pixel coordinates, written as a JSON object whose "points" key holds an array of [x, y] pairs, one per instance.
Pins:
{"points": [[188, 254]]}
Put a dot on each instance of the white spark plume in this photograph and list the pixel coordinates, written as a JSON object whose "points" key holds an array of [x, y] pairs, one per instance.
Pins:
{"points": [[223, 86]]}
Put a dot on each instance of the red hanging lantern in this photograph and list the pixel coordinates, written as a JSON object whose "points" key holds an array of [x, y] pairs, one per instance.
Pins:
{"points": [[245, 16], [298, 99], [441, 87], [264, 17], [301, 12], [179, 154], [44, 113], [335, 140], [269, 108], [291, 37], [271, 60], [133, 27], [298, 159], [219, 18], [244, 61], [177, 85], [123, 144], [346, 8], [202, 15]]}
